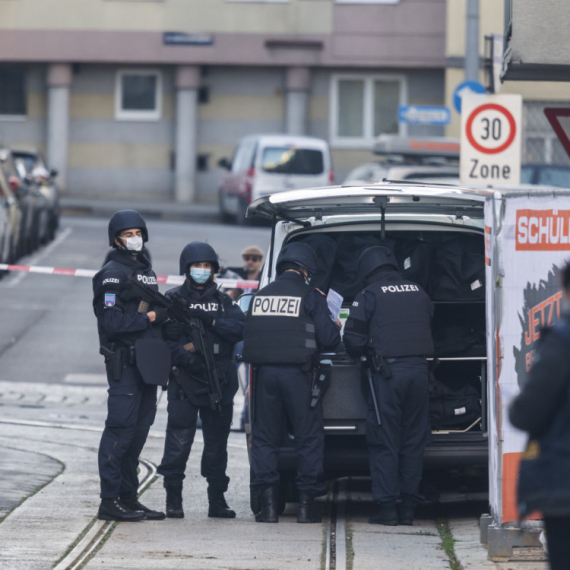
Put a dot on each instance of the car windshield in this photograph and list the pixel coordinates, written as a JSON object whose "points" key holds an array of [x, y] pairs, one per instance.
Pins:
{"points": [[291, 160], [27, 160]]}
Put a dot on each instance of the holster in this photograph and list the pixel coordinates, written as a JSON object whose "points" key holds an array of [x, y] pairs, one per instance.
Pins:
{"points": [[117, 357], [380, 366]]}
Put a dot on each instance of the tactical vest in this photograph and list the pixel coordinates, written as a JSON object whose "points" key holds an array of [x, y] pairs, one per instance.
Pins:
{"points": [[214, 305], [277, 328], [111, 270], [400, 325]]}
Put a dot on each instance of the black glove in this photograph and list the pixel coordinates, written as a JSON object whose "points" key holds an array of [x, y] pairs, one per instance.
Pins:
{"points": [[161, 315], [205, 317], [173, 330]]}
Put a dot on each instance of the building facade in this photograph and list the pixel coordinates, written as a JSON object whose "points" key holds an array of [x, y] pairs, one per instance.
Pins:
{"points": [[141, 98]]}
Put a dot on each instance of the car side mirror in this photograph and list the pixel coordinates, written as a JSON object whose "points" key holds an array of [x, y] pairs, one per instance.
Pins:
{"points": [[244, 302], [225, 163], [53, 172]]}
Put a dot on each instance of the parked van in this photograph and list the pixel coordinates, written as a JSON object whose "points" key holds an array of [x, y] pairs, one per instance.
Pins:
{"points": [[438, 237], [265, 164]]}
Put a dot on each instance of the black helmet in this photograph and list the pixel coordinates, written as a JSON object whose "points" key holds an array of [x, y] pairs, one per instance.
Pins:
{"points": [[299, 253], [126, 220], [198, 251], [372, 258]]}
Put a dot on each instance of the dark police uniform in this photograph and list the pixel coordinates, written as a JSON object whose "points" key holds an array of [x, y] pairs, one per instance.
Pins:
{"points": [[288, 323], [391, 318], [184, 403], [132, 402]]}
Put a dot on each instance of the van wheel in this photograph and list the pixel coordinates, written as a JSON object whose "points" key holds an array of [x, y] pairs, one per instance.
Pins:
{"points": [[241, 220]]}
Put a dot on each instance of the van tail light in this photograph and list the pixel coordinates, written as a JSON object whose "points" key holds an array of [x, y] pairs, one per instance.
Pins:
{"points": [[331, 176], [14, 183], [249, 183]]}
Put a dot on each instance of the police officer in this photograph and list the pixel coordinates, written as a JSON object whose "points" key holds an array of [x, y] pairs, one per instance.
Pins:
{"points": [[123, 322], [287, 324], [389, 323], [224, 322]]}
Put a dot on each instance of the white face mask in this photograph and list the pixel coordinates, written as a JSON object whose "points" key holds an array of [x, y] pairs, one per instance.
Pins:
{"points": [[133, 243]]}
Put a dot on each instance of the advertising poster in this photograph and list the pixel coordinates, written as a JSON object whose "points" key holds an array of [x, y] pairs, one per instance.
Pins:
{"points": [[533, 246]]}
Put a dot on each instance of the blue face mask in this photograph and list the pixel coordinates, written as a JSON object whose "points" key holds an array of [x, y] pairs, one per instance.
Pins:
{"points": [[200, 275]]}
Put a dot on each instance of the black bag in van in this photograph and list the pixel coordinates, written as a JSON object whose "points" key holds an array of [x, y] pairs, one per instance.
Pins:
{"points": [[415, 259], [458, 340], [452, 409], [344, 278], [326, 249], [459, 270]]}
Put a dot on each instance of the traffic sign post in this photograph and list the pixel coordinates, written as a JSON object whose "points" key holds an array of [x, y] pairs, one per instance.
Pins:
{"points": [[491, 139]]}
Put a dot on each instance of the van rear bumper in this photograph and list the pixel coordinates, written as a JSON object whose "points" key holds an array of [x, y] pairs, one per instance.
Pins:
{"points": [[349, 456]]}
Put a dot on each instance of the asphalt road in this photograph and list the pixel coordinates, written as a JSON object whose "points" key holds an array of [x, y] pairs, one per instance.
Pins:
{"points": [[48, 331]]}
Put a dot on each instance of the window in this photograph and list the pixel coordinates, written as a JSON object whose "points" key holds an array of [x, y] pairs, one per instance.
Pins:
{"points": [[363, 107], [291, 160], [12, 91], [138, 95]]}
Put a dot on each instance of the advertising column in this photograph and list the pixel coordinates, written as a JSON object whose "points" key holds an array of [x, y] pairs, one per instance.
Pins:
{"points": [[534, 245]]}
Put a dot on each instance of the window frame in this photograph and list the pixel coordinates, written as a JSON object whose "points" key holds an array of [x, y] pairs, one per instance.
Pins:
{"points": [[368, 138], [137, 115], [19, 117]]}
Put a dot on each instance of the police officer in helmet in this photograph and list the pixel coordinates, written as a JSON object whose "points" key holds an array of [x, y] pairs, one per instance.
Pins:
{"points": [[126, 325], [224, 322], [390, 324], [288, 323]]}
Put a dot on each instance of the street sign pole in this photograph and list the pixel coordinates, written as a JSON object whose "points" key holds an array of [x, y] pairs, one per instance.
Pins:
{"points": [[490, 139]]}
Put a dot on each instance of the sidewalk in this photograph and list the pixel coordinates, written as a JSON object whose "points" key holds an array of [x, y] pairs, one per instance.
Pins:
{"points": [[105, 207]]}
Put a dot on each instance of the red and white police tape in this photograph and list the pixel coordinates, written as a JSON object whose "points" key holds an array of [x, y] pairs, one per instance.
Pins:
{"points": [[168, 279]]}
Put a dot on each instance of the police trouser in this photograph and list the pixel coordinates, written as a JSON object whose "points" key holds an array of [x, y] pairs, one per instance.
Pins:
{"points": [[131, 409], [180, 432], [396, 447], [285, 392]]}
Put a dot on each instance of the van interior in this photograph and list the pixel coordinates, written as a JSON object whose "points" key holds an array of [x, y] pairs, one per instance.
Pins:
{"points": [[449, 263]]}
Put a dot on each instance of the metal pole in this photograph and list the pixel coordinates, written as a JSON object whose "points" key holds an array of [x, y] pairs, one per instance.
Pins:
{"points": [[472, 41]]}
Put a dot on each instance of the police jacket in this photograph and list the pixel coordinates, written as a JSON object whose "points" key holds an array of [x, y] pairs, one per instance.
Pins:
{"points": [[392, 316], [543, 410], [118, 320], [227, 330], [288, 322]]}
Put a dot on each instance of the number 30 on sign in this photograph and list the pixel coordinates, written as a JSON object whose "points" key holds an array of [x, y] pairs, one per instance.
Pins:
{"points": [[491, 139]]}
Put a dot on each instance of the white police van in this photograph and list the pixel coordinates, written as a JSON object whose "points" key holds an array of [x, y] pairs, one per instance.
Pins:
{"points": [[437, 234]]}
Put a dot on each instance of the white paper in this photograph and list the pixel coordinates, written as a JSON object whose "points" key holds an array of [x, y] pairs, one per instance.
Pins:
{"points": [[334, 301]]}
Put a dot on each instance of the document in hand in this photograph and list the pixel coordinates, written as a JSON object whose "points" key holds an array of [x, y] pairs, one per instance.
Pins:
{"points": [[334, 301]]}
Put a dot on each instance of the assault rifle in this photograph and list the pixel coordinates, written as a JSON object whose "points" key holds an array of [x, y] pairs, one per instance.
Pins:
{"points": [[177, 309]]}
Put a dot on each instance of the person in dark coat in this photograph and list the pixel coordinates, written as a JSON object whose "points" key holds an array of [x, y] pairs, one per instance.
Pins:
{"points": [[543, 410], [187, 396], [390, 324], [287, 324]]}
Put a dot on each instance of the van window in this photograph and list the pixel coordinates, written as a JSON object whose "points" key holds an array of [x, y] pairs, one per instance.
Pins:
{"points": [[291, 160], [243, 158]]}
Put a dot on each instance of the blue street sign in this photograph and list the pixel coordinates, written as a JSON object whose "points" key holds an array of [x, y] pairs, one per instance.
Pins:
{"points": [[466, 87], [423, 115]]}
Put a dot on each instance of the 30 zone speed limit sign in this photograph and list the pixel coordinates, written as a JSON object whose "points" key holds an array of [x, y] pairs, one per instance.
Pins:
{"points": [[490, 139]]}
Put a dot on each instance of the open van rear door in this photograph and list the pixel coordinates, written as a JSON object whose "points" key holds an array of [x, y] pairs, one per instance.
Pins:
{"points": [[300, 205]]}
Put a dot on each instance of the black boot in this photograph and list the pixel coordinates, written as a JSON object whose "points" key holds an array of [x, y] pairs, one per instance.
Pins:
{"points": [[268, 504], [217, 506], [134, 505], [406, 511], [174, 501], [386, 514], [308, 509], [115, 510]]}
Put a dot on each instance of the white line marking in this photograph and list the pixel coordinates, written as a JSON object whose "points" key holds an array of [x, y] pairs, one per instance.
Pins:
{"points": [[40, 255]]}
